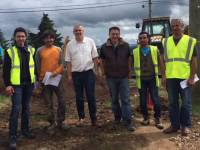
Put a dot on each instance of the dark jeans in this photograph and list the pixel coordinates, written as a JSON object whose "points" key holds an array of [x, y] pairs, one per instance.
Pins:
{"points": [[179, 116], [149, 85], [85, 80], [21, 97], [48, 91], [119, 88]]}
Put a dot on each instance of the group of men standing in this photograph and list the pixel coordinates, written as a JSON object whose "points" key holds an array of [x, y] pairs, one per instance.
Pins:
{"points": [[177, 61]]}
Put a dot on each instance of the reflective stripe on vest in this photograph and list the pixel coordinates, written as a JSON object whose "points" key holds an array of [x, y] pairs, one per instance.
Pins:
{"points": [[178, 57], [15, 65], [187, 56], [136, 57]]}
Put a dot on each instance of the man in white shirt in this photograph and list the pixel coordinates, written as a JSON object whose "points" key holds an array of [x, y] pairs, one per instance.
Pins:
{"points": [[82, 58]]}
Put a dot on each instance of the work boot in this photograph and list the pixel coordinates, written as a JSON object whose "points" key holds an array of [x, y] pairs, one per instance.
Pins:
{"points": [[95, 124], [28, 135], [80, 122], [13, 143], [158, 124], [131, 127], [62, 126], [170, 130], [185, 131], [51, 128], [117, 121], [145, 122], [129, 124]]}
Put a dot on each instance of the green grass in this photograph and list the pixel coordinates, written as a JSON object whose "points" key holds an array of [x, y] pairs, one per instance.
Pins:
{"points": [[2, 98], [39, 117], [108, 104], [196, 106]]}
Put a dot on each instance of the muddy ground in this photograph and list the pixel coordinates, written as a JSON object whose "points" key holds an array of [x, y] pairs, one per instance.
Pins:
{"points": [[108, 137]]}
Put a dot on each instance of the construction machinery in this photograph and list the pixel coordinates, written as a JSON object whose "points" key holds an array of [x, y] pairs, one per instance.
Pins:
{"points": [[158, 28]]}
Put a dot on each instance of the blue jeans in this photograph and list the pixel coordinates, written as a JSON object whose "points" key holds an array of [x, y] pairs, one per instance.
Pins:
{"points": [[149, 85], [21, 97], [85, 80], [119, 87], [179, 116]]}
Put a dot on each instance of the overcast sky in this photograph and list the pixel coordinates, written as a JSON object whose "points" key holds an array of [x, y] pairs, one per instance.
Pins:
{"points": [[96, 15]]}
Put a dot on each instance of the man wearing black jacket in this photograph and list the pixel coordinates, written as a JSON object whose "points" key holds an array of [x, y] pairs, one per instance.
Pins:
{"points": [[19, 78], [116, 65]]}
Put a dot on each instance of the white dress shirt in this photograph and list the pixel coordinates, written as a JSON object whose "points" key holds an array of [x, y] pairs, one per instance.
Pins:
{"points": [[81, 54]]}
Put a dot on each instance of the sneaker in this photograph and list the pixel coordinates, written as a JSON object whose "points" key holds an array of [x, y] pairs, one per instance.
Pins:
{"points": [[28, 135], [158, 124], [185, 131], [145, 122], [13, 143], [170, 130]]}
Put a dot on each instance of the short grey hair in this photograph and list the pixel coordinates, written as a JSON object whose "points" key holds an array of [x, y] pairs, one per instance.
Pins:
{"points": [[180, 21], [78, 25]]}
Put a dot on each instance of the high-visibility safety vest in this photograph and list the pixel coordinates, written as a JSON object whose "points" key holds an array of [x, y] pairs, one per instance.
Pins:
{"points": [[136, 57], [15, 65], [178, 57]]}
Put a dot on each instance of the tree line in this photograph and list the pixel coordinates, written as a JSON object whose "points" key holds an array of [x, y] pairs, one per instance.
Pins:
{"points": [[35, 39]]}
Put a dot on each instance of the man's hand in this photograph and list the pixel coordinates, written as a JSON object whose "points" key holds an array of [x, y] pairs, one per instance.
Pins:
{"points": [[10, 90], [69, 80], [38, 84], [98, 76], [130, 75], [54, 74], [190, 82]]}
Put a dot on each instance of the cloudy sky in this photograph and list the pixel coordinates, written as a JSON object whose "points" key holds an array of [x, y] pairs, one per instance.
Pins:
{"points": [[96, 15]]}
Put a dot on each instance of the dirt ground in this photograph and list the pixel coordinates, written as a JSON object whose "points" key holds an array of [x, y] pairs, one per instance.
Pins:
{"points": [[108, 137]]}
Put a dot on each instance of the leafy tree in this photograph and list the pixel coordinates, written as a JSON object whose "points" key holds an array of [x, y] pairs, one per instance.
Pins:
{"points": [[3, 42], [46, 24], [32, 39]]}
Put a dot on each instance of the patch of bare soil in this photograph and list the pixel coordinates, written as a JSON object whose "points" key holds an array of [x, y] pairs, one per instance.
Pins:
{"points": [[108, 137]]}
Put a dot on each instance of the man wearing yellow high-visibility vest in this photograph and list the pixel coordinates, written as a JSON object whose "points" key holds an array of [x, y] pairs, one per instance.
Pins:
{"points": [[146, 59], [179, 63], [19, 78]]}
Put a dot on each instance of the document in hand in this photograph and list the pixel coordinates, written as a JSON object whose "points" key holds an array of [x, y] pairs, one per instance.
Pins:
{"points": [[184, 82], [49, 80]]}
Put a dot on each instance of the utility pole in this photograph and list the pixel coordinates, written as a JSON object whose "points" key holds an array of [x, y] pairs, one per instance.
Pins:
{"points": [[150, 9], [150, 16], [194, 17], [194, 31]]}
